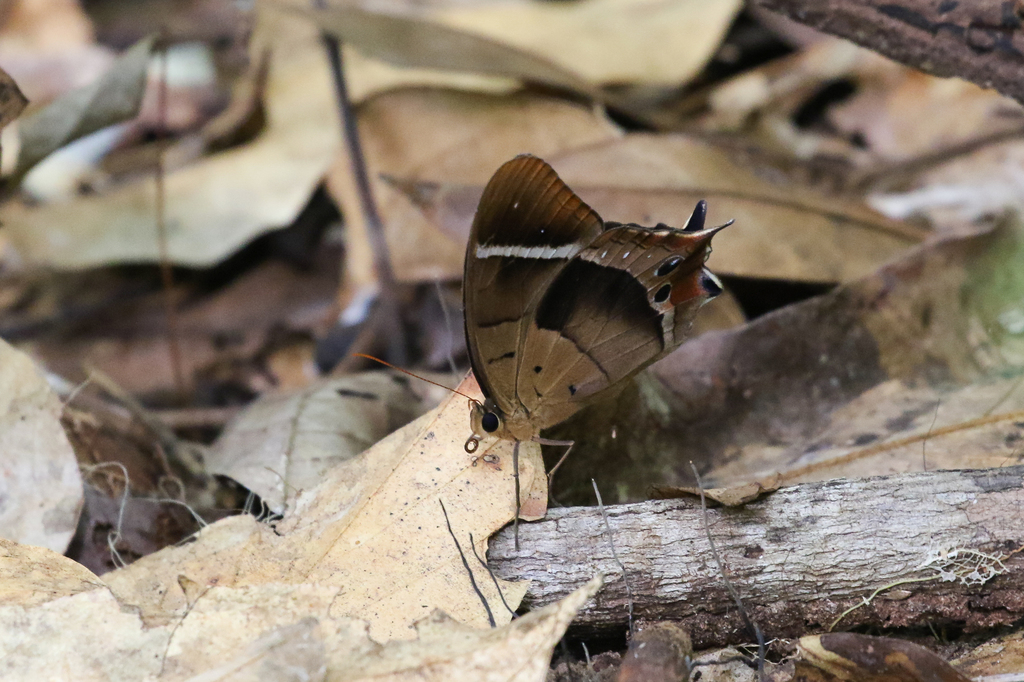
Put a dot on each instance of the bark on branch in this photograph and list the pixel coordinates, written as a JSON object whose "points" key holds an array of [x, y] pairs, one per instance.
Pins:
{"points": [[799, 557], [980, 41]]}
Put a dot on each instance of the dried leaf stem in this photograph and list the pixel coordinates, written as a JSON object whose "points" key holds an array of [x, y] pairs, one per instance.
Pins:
{"points": [[166, 272], [387, 306]]}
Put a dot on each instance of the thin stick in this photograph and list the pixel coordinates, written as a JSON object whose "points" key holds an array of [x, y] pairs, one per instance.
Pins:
{"points": [[374, 224], [725, 579], [515, 475], [166, 272], [611, 543], [472, 579], [494, 578]]}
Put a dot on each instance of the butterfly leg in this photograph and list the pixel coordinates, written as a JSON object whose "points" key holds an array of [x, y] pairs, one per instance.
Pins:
{"points": [[515, 475], [567, 444]]}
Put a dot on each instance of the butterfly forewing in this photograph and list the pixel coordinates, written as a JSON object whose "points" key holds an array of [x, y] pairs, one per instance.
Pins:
{"points": [[528, 226]]}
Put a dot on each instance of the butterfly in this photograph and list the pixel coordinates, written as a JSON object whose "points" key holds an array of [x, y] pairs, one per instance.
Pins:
{"points": [[561, 306]]}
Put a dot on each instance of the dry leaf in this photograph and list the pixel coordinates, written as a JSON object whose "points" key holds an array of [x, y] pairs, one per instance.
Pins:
{"points": [[258, 632], [420, 42], [728, 497], [607, 41], [229, 328], [862, 658], [813, 376], [284, 444], [12, 101], [449, 136], [39, 481], [781, 231], [113, 98], [86, 636], [222, 201], [373, 531], [1002, 655], [31, 575]]}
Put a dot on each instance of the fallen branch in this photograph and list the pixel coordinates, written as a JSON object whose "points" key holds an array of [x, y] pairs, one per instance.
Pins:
{"points": [[943, 546], [979, 41]]}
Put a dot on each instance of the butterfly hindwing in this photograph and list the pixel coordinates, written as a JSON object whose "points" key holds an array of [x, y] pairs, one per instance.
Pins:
{"points": [[621, 303]]}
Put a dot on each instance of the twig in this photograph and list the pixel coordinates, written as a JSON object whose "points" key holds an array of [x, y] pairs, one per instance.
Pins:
{"points": [[166, 273], [725, 579], [515, 477], [472, 578], [494, 578], [388, 308]]}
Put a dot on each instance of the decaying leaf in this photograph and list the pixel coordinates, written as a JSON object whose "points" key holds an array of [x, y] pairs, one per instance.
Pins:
{"points": [[861, 658], [1001, 655], [871, 378], [728, 497], [374, 532], [438, 136], [848, 369], [285, 444], [607, 41], [113, 98], [781, 231], [420, 42], [219, 203], [31, 575], [62, 618], [12, 101], [39, 481]]}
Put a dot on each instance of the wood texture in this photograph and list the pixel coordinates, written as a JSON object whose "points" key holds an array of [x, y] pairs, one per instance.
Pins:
{"points": [[979, 41], [799, 557]]}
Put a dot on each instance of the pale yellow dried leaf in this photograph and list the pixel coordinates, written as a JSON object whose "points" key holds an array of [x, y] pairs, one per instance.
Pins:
{"points": [[294, 624], [40, 484], [87, 637], [606, 41], [284, 444], [218, 204], [366, 77], [447, 651], [443, 136], [897, 428], [31, 575], [373, 531], [290, 652], [416, 40]]}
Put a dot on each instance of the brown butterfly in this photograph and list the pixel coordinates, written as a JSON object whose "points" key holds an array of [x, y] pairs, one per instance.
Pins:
{"points": [[561, 306]]}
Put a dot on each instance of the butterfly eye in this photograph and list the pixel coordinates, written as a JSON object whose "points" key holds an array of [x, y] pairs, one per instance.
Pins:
{"points": [[668, 266], [490, 422]]}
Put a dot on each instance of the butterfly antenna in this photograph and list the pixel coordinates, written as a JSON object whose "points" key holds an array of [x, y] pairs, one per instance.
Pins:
{"points": [[417, 376]]}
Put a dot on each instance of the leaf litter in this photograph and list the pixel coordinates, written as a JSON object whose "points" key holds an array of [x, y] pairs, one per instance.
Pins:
{"points": [[911, 362]]}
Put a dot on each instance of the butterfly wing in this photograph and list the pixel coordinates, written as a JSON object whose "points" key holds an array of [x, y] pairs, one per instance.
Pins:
{"points": [[528, 227], [624, 301]]}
